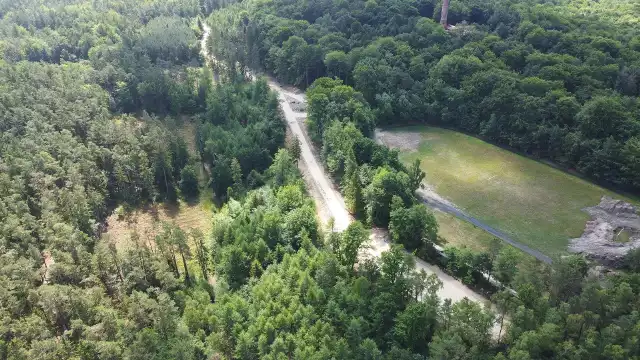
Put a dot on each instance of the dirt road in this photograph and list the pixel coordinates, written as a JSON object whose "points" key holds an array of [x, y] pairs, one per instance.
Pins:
{"points": [[437, 204], [333, 200], [451, 288]]}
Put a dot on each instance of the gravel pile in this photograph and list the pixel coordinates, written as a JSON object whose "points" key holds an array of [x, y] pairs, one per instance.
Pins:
{"points": [[613, 231]]}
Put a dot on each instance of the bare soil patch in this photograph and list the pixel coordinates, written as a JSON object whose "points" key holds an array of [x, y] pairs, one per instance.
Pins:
{"points": [[613, 231], [401, 140], [296, 105]]}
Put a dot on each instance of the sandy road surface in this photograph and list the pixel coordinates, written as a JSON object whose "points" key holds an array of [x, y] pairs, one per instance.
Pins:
{"points": [[451, 288], [333, 200]]}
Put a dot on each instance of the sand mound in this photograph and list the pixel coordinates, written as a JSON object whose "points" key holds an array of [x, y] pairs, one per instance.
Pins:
{"points": [[401, 140], [613, 231], [296, 105]]}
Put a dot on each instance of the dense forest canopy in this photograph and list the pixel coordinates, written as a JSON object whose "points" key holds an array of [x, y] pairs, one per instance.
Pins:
{"points": [[94, 96], [556, 79]]}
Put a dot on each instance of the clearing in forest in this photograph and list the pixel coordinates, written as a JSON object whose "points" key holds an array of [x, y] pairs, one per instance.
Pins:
{"points": [[460, 233], [147, 221], [534, 203]]}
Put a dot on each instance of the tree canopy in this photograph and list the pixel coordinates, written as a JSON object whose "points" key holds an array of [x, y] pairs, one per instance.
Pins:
{"points": [[93, 99], [555, 79]]}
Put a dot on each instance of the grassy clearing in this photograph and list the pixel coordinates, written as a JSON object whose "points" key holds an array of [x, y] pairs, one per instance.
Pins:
{"points": [[188, 133], [534, 203], [461, 233], [147, 221]]}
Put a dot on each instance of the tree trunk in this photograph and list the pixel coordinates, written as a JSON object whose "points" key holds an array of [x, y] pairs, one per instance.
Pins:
{"points": [[175, 264], [141, 258], [187, 278], [203, 268], [580, 333], [104, 278], [306, 75], [166, 184], [114, 257], [46, 268], [202, 259], [444, 14]]}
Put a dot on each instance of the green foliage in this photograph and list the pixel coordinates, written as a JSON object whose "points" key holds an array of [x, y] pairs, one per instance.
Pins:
{"points": [[167, 38], [416, 175], [415, 227], [295, 149], [241, 132], [350, 244], [415, 326], [67, 156], [189, 181], [352, 188], [283, 170], [505, 264], [331, 100], [385, 184], [557, 80], [337, 147]]}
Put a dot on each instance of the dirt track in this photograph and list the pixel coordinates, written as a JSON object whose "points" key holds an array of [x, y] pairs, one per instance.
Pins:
{"points": [[333, 200], [451, 288], [410, 141]]}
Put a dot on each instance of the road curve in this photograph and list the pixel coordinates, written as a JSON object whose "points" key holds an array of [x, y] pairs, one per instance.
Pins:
{"points": [[451, 287]]}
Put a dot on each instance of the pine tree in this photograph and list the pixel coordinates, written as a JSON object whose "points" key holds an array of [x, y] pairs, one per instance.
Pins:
{"points": [[353, 187], [236, 175]]}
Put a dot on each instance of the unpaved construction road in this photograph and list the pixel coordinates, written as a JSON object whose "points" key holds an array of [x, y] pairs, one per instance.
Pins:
{"points": [[410, 141], [332, 199], [437, 204], [334, 203]]}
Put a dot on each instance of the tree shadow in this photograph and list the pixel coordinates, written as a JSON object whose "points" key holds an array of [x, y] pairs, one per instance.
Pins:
{"points": [[171, 209], [191, 201], [152, 209]]}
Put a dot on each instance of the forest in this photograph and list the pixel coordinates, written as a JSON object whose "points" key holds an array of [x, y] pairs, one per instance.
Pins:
{"points": [[558, 80], [94, 93]]}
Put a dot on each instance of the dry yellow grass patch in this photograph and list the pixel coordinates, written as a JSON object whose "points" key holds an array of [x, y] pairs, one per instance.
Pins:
{"points": [[147, 221], [188, 133]]}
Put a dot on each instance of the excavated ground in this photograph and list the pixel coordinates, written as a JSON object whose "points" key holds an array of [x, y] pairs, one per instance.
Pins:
{"points": [[613, 231]]}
